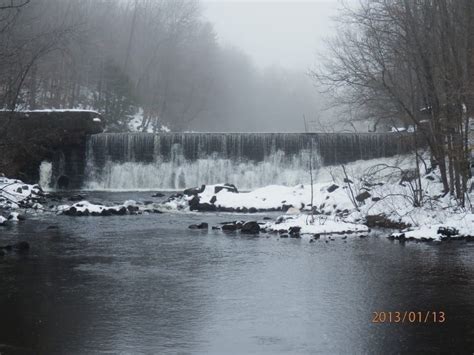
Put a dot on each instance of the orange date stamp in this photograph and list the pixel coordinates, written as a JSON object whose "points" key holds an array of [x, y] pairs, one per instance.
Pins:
{"points": [[409, 317]]}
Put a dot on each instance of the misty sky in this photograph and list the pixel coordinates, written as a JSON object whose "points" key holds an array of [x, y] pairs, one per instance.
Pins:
{"points": [[283, 33]]}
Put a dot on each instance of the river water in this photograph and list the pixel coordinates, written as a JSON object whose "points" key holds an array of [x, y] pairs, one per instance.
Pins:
{"points": [[147, 284]]}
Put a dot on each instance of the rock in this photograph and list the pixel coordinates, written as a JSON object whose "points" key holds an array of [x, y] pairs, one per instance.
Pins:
{"points": [[71, 211], [52, 227], [267, 218], [250, 228], [253, 210], [348, 181], [294, 230], [228, 187], [448, 232], [285, 208], [382, 221], [106, 212], [206, 207], [229, 227], [194, 191], [295, 235], [332, 188], [363, 196], [284, 236], [120, 212], [215, 228], [132, 209], [194, 203], [158, 194], [213, 199], [202, 225], [15, 217], [376, 199]]}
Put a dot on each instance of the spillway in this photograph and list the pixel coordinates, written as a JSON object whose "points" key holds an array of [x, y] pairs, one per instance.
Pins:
{"points": [[171, 161]]}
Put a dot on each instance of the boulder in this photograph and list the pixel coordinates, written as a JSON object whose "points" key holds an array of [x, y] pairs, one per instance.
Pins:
{"points": [[158, 194], [250, 228], [205, 207], [228, 187], [194, 203], [202, 225], [363, 196], [213, 199], [332, 188], [294, 230], [382, 221], [132, 209], [448, 232], [193, 191], [229, 227]]}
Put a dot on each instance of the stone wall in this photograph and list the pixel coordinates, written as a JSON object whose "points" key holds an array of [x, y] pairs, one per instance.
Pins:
{"points": [[29, 137]]}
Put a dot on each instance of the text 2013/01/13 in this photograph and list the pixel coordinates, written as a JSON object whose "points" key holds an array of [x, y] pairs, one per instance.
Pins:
{"points": [[409, 317]]}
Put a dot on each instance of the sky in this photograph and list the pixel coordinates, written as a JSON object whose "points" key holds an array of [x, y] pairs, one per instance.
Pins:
{"points": [[288, 34]]}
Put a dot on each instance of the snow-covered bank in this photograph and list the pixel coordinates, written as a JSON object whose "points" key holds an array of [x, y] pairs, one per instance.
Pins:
{"points": [[379, 193]]}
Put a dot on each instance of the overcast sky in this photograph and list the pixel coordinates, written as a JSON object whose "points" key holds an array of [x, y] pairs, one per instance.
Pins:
{"points": [[282, 33]]}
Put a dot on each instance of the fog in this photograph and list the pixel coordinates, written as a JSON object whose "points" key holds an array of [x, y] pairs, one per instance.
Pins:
{"points": [[288, 34], [183, 65]]}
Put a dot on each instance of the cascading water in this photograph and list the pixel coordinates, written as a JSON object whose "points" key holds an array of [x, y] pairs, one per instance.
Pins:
{"points": [[131, 161]]}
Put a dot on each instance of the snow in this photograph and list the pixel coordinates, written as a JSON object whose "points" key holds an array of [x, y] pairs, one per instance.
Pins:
{"points": [[320, 225], [14, 193], [135, 124], [387, 183]]}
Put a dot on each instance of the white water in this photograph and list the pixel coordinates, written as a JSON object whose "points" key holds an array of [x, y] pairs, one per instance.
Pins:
{"points": [[45, 173], [140, 161], [179, 173]]}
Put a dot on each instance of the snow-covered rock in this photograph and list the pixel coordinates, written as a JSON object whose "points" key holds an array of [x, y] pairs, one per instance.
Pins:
{"points": [[15, 194], [86, 208]]}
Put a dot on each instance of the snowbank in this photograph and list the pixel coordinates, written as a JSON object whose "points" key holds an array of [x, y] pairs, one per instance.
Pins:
{"points": [[317, 226], [378, 193], [15, 194]]}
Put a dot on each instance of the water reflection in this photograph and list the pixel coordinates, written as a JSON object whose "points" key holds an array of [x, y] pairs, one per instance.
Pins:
{"points": [[146, 284]]}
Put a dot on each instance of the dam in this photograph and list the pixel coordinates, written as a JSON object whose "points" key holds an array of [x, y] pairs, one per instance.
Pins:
{"points": [[173, 161]]}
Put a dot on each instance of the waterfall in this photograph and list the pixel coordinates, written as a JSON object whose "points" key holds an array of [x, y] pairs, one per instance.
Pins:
{"points": [[45, 174], [171, 161]]}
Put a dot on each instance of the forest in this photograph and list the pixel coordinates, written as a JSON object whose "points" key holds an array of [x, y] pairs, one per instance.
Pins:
{"points": [[145, 65]]}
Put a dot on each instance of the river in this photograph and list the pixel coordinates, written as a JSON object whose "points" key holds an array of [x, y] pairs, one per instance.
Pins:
{"points": [[148, 284]]}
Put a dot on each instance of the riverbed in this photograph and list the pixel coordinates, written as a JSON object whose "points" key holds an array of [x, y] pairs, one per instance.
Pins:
{"points": [[148, 284]]}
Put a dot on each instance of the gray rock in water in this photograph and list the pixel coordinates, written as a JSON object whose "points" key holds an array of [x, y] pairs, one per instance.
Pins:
{"points": [[202, 225], [250, 228]]}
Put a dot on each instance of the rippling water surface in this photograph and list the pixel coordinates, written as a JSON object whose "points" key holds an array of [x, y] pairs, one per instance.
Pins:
{"points": [[148, 284]]}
